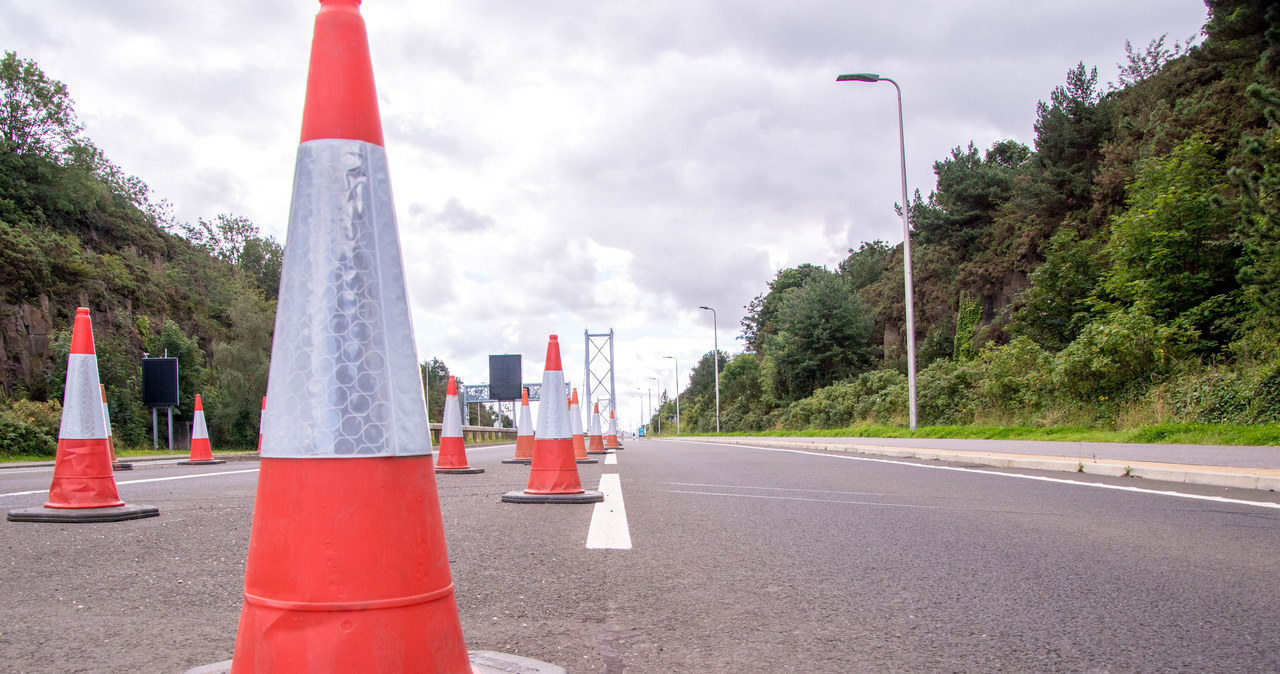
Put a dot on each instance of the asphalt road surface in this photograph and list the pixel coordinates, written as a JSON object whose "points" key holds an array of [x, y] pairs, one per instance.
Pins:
{"points": [[741, 560]]}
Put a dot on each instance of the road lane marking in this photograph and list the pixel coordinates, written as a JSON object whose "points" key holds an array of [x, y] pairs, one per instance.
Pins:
{"points": [[1040, 478], [812, 491], [150, 479], [611, 460], [609, 519], [799, 498]]}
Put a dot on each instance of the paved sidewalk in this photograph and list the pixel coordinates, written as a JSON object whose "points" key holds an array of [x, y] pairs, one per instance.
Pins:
{"points": [[1242, 467]]}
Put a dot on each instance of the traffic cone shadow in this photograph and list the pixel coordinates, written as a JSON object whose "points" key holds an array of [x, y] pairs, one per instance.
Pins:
{"points": [[201, 451], [524, 433], [575, 426], [453, 448], [83, 487], [553, 475]]}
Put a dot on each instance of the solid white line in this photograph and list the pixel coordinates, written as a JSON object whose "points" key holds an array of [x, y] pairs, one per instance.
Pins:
{"points": [[813, 500], [611, 459], [742, 486], [150, 479], [609, 519], [1040, 478], [187, 477]]}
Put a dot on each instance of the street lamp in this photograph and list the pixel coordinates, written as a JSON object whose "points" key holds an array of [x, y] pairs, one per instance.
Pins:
{"points": [[659, 384], [715, 336], [906, 242], [677, 392]]}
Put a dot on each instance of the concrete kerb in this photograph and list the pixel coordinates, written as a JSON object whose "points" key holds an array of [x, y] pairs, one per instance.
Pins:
{"points": [[1215, 476]]}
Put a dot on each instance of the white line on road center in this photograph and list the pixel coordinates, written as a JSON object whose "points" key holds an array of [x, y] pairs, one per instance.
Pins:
{"points": [[611, 459], [609, 519], [1041, 478], [150, 479]]}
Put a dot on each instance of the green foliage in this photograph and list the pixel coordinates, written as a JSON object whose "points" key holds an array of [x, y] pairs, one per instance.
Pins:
{"points": [[1070, 131], [29, 428], [435, 381], [759, 321], [36, 112], [821, 335], [1172, 250], [1056, 307], [1116, 356], [968, 317]]}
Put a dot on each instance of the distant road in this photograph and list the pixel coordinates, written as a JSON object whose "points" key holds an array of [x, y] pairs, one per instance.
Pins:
{"points": [[741, 559]]}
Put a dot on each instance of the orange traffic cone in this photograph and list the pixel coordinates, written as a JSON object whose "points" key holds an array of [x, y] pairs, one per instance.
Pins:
{"points": [[261, 415], [524, 432], [111, 442], [83, 487], [201, 452], [347, 567], [611, 440], [575, 426], [553, 475], [597, 440], [453, 448]]}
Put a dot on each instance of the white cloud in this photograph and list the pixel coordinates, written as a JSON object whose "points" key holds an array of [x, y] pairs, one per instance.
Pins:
{"points": [[565, 164]]}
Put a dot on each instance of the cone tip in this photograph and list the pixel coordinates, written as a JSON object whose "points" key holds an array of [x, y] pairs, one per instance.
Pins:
{"points": [[198, 406], [574, 397], [341, 100], [453, 387], [524, 396], [553, 354], [82, 311]]}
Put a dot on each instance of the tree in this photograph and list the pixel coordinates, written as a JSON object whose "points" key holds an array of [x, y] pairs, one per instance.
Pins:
{"points": [[1070, 131], [224, 238], [821, 337], [1142, 65], [758, 323], [261, 260], [435, 381], [1173, 249], [36, 112], [1056, 307]]}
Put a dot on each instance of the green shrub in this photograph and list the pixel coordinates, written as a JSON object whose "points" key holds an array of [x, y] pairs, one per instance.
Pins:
{"points": [[1124, 352], [29, 428], [944, 394]]}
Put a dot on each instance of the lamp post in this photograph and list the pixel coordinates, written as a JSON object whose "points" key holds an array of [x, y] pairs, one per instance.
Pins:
{"points": [[906, 242], [643, 418], [715, 337], [677, 361], [655, 381]]}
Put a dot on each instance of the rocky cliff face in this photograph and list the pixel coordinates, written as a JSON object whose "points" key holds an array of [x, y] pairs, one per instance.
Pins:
{"points": [[25, 333]]}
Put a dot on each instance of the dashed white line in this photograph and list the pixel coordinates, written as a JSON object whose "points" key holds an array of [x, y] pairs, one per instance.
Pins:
{"points": [[609, 519], [611, 459], [1040, 478]]}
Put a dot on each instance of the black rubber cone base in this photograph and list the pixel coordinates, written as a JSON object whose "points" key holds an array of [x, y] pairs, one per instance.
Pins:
{"points": [[112, 514], [460, 471], [522, 497], [208, 462], [524, 461], [120, 465], [598, 453], [482, 662], [588, 460]]}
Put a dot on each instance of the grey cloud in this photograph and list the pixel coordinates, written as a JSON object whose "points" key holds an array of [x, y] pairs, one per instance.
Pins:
{"points": [[452, 217]]}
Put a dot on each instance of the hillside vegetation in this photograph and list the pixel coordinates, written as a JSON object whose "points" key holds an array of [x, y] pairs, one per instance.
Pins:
{"points": [[1125, 272]]}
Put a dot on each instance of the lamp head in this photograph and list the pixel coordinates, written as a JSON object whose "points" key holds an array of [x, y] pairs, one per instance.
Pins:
{"points": [[859, 77]]}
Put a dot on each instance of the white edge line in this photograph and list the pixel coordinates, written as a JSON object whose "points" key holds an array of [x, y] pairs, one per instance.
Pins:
{"points": [[150, 479], [609, 518], [1041, 478]]}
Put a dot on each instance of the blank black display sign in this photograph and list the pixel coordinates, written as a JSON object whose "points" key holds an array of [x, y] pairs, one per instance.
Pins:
{"points": [[160, 382], [504, 377]]}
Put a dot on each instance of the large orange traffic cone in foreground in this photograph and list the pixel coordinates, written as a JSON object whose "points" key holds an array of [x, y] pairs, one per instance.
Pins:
{"points": [[596, 445], [553, 475], [201, 452], [575, 426], [111, 442], [83, 487], [453, 449], [611, 440], [524, 432], [347, 568]]}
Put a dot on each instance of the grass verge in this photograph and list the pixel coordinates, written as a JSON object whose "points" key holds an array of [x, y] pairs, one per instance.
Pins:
{"points": [[1180, 434]]}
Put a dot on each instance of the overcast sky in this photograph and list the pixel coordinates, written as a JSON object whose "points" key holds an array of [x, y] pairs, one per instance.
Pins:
{"points": [[567, 165]]}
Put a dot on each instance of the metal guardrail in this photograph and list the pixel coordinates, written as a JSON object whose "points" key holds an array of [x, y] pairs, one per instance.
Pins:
{"points": [[478, 434]]}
